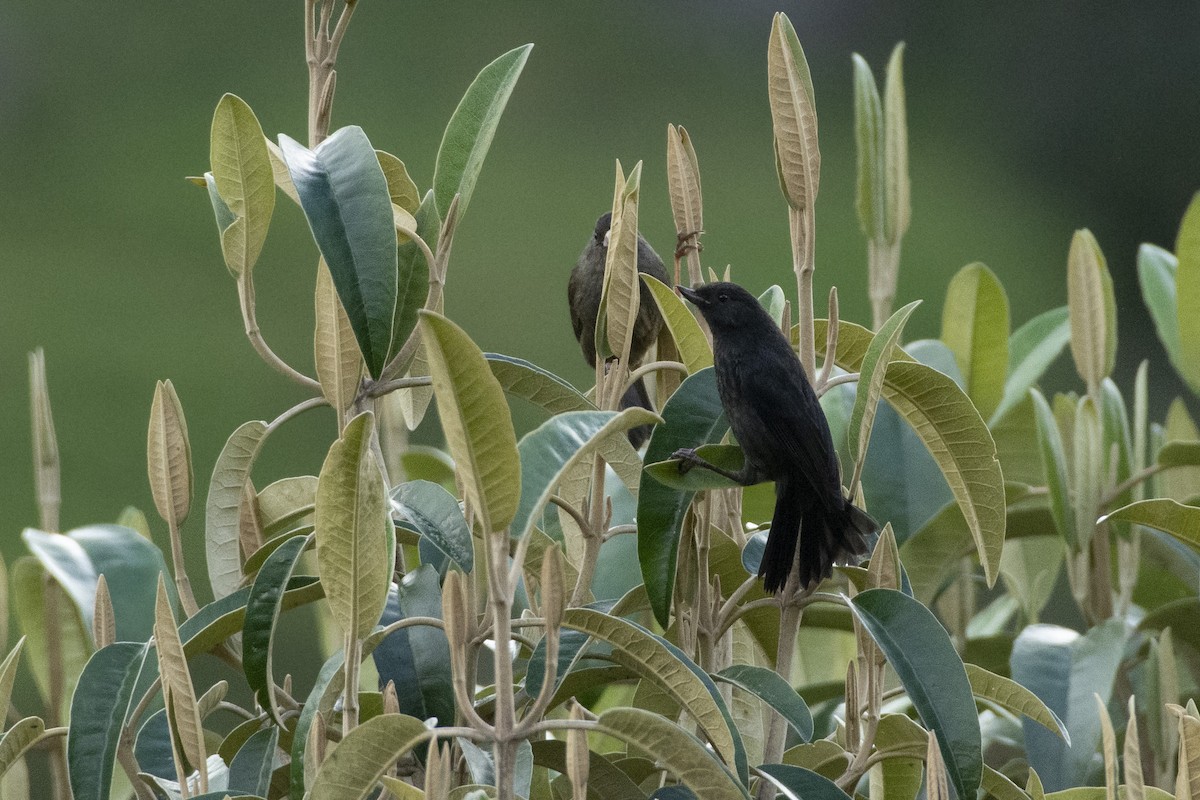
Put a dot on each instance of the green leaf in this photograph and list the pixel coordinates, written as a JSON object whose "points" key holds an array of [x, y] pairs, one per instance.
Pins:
{"points": [[351, 770], [412, 274], [29, 603], [417, 658], [670, 670], [606, 781], [870, 383], [693, 346], [726, 456], [220, 619], [544, 389], [66, 560], [241, 170], [262, 612], [250, 771], [401, 188], [1092, 309], [223, 215], [18, 739], [793, 115], [1179, 454], [951, 429], [169, 456], [773, 302], [920, 650], [675, 749], [221, 542], [895, 149], [620, 298], [798, 782], [692, 416], [335, 350], [179, 695], [1157, 269], [328, 683], [1055, 463], [868, 129], [435, 513], [470, 130], [1187, 293], [553, 448], [345, 198], [355, 538], [476, 421], [975, 325], [1064, 669], [1012, 696], [1168, 516], [775, 692], [1031, 350], [98, 709]]}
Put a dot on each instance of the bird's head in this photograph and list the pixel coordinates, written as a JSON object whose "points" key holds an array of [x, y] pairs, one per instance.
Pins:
{"points": [[726, 307], [603, 229]]}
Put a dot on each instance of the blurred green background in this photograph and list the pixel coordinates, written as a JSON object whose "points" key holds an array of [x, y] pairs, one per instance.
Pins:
{"points": [[1027, 121]]}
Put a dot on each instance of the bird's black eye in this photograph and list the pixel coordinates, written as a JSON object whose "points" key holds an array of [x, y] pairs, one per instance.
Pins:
{"points": [[722, 297]]}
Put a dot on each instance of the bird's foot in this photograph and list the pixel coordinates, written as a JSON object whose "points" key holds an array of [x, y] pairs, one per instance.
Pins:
{"points": [[688, 242], [687, 459]]}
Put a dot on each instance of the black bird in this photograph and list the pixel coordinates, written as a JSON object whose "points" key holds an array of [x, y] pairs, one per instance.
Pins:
{"points": [[778, 421], [583, 293]]}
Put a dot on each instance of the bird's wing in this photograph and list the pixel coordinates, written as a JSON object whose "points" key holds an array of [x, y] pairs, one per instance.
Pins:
{"points": [[572, 290], [798, 426]]}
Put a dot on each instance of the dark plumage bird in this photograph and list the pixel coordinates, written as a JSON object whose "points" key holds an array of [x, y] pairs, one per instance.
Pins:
{"points": [[778, 421], [583, 293]]}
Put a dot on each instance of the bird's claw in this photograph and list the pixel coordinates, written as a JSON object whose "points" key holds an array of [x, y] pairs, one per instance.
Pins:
{"points": [[687, 242], [687, 458]]}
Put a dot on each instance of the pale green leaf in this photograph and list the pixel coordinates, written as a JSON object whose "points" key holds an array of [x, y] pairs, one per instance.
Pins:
{"points": [[621, 295], [873, 372], [1031, 350], [401, 188], [975, 325], [8, 672], [335, 349], [1168, 516], [180, 698], [169, 456], [895, 149], [1157, 270], [221, 523], [18, 739], [689, 338], [29, 588], [351, 770], [243, 174], [1187, 293], [1092, 309], [354, 530], [793, 115], [683, 182], [868, 129], [1055, 464], [476, 420], [1012, 696]]}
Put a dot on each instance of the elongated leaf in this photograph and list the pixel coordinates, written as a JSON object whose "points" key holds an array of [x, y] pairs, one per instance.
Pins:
{"points": [[675, 749], [435, 513], [222, 507], [29, 588], [920, 650], [262, 611], [345, 198], [98, 710], [1055, 464], [1065, 670], [870, 383], [683, 182], [469, 133], [476, 420], [1179, 454], [250, 770], [412, 276], [951, 429], [225, 218], [797, 782], [8, 672], [1012, 696], [868, 130], [665, 665], [1092, 309], [351, 770], [68, 562], [18, 739], [1157, 270], [241, 170], [775, 692], [551, 450], [693, 416], [1168, 516], [793, 115], [355, 538], [1187, 294], [184, 719], [417, 658], [895, 149], [528, 381], [975, 325], [1031, 350], [726, 456], [169, 456], [606, 781], [690, 340], [401, 188], [621, 295], [335, 351]]}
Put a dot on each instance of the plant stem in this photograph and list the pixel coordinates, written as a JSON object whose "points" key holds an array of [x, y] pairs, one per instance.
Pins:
{"points": [[183, 583], [505, 720], [801, 227], [245, 286], [54, 655], [353, 652]]}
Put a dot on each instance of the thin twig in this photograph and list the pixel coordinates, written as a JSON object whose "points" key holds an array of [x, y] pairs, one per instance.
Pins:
{"points": [[653, 366], [246, 301], [838, 380], [831, 341]]}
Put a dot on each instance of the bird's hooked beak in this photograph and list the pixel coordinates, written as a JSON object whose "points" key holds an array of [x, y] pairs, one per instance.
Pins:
{"points": [[693, 297]]}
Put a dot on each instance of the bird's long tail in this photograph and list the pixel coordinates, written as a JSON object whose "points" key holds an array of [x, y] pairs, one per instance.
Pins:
{"points": [[825, 538], [637, 396]]}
